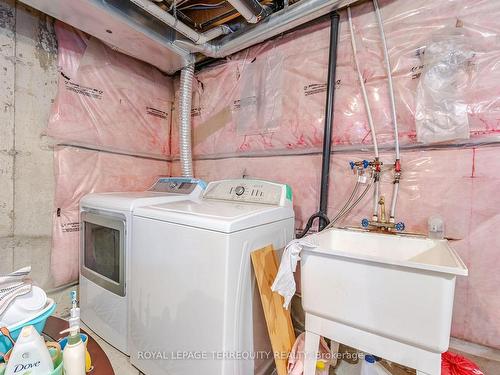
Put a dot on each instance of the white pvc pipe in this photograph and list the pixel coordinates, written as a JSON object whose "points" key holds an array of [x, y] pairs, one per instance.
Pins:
{"points": [[363, 87], [376, 192], [389, 77], [376, 186], [395, 190]]}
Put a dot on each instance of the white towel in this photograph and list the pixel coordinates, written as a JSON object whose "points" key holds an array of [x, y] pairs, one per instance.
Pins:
{"points": [[284, 283]]}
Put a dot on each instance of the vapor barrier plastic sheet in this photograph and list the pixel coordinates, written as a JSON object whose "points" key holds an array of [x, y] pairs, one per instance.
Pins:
{"points": [[460, 185], [108, 100], [409, 24], [441, 112], [79, 172]]}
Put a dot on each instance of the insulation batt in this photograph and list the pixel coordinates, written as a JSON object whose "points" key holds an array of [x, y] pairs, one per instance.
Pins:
{"points": [[79, 172], [458, 184], [269, 100], [107, 100], [289, 91]]}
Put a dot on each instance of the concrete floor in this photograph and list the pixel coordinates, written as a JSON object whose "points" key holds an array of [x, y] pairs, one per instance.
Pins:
{"points": [[487, 359], [119, 361]]}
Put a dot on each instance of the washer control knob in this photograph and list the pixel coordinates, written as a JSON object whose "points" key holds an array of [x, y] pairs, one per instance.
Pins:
{"points": [[172, 185], [239, 190]]}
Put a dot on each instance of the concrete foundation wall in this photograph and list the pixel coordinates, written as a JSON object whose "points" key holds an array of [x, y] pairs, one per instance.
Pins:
{"points": [[28, 85]]}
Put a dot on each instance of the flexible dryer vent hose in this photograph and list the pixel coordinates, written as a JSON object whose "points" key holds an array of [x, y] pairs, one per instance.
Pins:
{"points": [[185, 96]]}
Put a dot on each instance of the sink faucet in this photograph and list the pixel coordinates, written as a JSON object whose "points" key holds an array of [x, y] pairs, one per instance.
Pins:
{"points": [[381, 222], [381, 204]]}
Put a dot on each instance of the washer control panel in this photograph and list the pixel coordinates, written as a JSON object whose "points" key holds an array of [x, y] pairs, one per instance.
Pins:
{"points": [[250, 191]]}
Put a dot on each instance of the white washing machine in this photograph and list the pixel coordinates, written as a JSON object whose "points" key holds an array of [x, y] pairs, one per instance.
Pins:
{"points": [[105, 249], [195, 306]]}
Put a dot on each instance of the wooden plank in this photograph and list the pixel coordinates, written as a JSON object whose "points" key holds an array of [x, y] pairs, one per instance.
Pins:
{"points": [[278, 320]]}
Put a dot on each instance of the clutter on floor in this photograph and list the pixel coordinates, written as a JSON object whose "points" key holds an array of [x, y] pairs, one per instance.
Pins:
{"points": [[381, 116], [23, 348]]}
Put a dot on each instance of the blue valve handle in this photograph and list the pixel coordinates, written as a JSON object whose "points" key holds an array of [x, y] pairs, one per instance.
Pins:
{"points": [[365, 223], [365, 164], [400, 226]]}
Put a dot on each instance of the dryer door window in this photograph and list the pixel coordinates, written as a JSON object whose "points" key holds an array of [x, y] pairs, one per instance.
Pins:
{"points": [[103, 251]]}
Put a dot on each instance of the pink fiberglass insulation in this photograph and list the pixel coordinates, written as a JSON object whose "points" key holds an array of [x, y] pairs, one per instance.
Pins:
{"points": [[424, 191], [79, 172], [108, 100], [458, 184], [271, 97]]}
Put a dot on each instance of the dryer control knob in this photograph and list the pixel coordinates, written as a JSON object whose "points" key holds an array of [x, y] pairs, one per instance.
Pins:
{"points": [[239, 190]]}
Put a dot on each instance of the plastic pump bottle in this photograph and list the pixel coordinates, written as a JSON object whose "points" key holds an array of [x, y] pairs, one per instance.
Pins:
{"points": [[30, 355], [74, 353]]}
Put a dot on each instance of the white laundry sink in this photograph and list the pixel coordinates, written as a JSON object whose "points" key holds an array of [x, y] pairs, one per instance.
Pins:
{"points": [[387, 294]]}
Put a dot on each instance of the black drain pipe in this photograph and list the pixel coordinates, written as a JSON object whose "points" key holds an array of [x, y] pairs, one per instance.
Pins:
{"points": [[322, 214]]}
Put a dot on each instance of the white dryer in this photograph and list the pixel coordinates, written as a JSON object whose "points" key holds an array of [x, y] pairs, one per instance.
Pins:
{"points": [[195, 307], [105, 249]]}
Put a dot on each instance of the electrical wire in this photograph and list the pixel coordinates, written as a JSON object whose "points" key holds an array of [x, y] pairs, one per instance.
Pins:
{"points": [[203, 6]]}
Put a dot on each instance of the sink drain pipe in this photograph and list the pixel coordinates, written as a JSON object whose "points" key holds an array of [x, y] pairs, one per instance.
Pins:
{"points": [[185, 98], [322, 214]]}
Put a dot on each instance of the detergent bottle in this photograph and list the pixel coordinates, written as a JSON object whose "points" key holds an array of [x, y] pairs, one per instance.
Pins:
{"points": [[74, 352], [30, 355]]}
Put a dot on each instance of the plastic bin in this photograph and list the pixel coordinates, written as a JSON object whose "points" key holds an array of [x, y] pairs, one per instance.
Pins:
{"points": [[38, 322]]}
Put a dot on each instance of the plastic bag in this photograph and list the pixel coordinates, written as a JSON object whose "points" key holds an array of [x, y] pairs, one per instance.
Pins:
{"points": [[454, 364], [441, 110], [296, 360]]}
